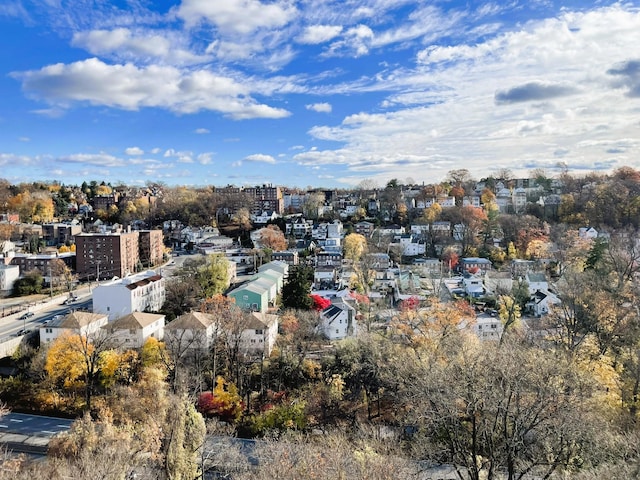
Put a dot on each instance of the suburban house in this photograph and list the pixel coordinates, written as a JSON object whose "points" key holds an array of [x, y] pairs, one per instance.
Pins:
{"points": [[488, 327], [193, 330], [338, 321], [143, 292], [290, 257], [259, 334], [587, 232], [541, 302], [132, 330], [471, 264], [74, 323], [251, 296], [365, 228], [473, 285], [325, 277]]}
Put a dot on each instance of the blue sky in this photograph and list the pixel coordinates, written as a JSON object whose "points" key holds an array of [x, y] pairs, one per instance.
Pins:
{"points": [[315, 92]]}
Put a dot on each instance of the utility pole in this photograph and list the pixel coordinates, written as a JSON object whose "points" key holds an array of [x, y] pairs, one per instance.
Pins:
{"points": [[50, 282]]}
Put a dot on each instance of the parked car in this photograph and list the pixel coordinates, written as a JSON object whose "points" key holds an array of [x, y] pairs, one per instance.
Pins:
{"points": [[24, 316], [69, 300]]}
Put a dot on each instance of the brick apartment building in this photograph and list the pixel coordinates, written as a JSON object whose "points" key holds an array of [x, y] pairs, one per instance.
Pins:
{"points": [[107, 255], [151, 247]]}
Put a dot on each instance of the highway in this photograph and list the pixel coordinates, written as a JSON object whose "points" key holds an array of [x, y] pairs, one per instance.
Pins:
{"points": [[11, 325]]}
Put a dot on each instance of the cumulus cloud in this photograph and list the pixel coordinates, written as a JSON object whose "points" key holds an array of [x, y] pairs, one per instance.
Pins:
{"points": [[125, 44], [260, 158], [315, 34], [533, 91], [134, 151], [237, 16], [319, 107], [131, 88]]}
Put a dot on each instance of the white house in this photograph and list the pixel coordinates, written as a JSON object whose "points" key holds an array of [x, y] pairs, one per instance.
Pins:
{"points": [[541, 301], [75, 323], [536, 281], [473, 285], [487, 327], [587, 232], [193, 330], [259, 335], [338, 321], [143, 292], [132, 330]]}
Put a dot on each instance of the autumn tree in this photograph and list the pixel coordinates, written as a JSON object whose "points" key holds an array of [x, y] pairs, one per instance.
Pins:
{"points": [[272, 237], [354, 247], [77, 357], [493, 410]]}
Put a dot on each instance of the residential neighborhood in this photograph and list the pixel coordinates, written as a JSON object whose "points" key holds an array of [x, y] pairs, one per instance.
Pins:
{"points": [[234, 296]]}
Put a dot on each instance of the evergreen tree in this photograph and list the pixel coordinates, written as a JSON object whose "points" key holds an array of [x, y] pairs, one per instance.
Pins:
{"points": [[297, 292]]}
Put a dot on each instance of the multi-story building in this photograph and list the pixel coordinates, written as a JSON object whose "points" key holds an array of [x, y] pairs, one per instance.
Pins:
{"points": [[60, 233], [143, 292], [41, 261], [267, 198], [106, 255], [151, 247]]}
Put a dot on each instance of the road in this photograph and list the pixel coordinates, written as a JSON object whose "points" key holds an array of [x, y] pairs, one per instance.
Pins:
{"points": [[35, 425], [11, 325]]}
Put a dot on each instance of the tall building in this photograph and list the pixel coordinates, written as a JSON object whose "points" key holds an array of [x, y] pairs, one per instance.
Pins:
{"points": [[267, 199], [151, 247], [106, 255]]}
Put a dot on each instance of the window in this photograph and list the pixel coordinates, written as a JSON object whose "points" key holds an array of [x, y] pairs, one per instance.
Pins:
{"points": [[494, 326], [337, 331], [258, 332]]}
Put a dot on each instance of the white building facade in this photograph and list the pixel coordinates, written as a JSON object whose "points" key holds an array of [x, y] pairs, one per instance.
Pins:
{"points": [[144, 292]]}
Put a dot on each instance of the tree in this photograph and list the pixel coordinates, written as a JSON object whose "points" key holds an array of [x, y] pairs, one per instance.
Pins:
{"points": [[296, 293], [75, 357], [355, 246], [493, 410], [184, 436], [30, 283], [271, 237]]}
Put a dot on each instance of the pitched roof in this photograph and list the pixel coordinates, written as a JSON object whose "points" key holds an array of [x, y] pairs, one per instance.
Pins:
{"points": [[191, 321], [260, 320], [135, 320], [80, 319]]}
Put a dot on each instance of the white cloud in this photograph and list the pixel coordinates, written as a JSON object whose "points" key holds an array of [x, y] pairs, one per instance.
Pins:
{"points": [[319, 107], [129, 87], [98, 159], [122, 43], [237, 16], [134, 151], [514, 100], [315, 34], [261, 158], [205, 158], [201, 131]]}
